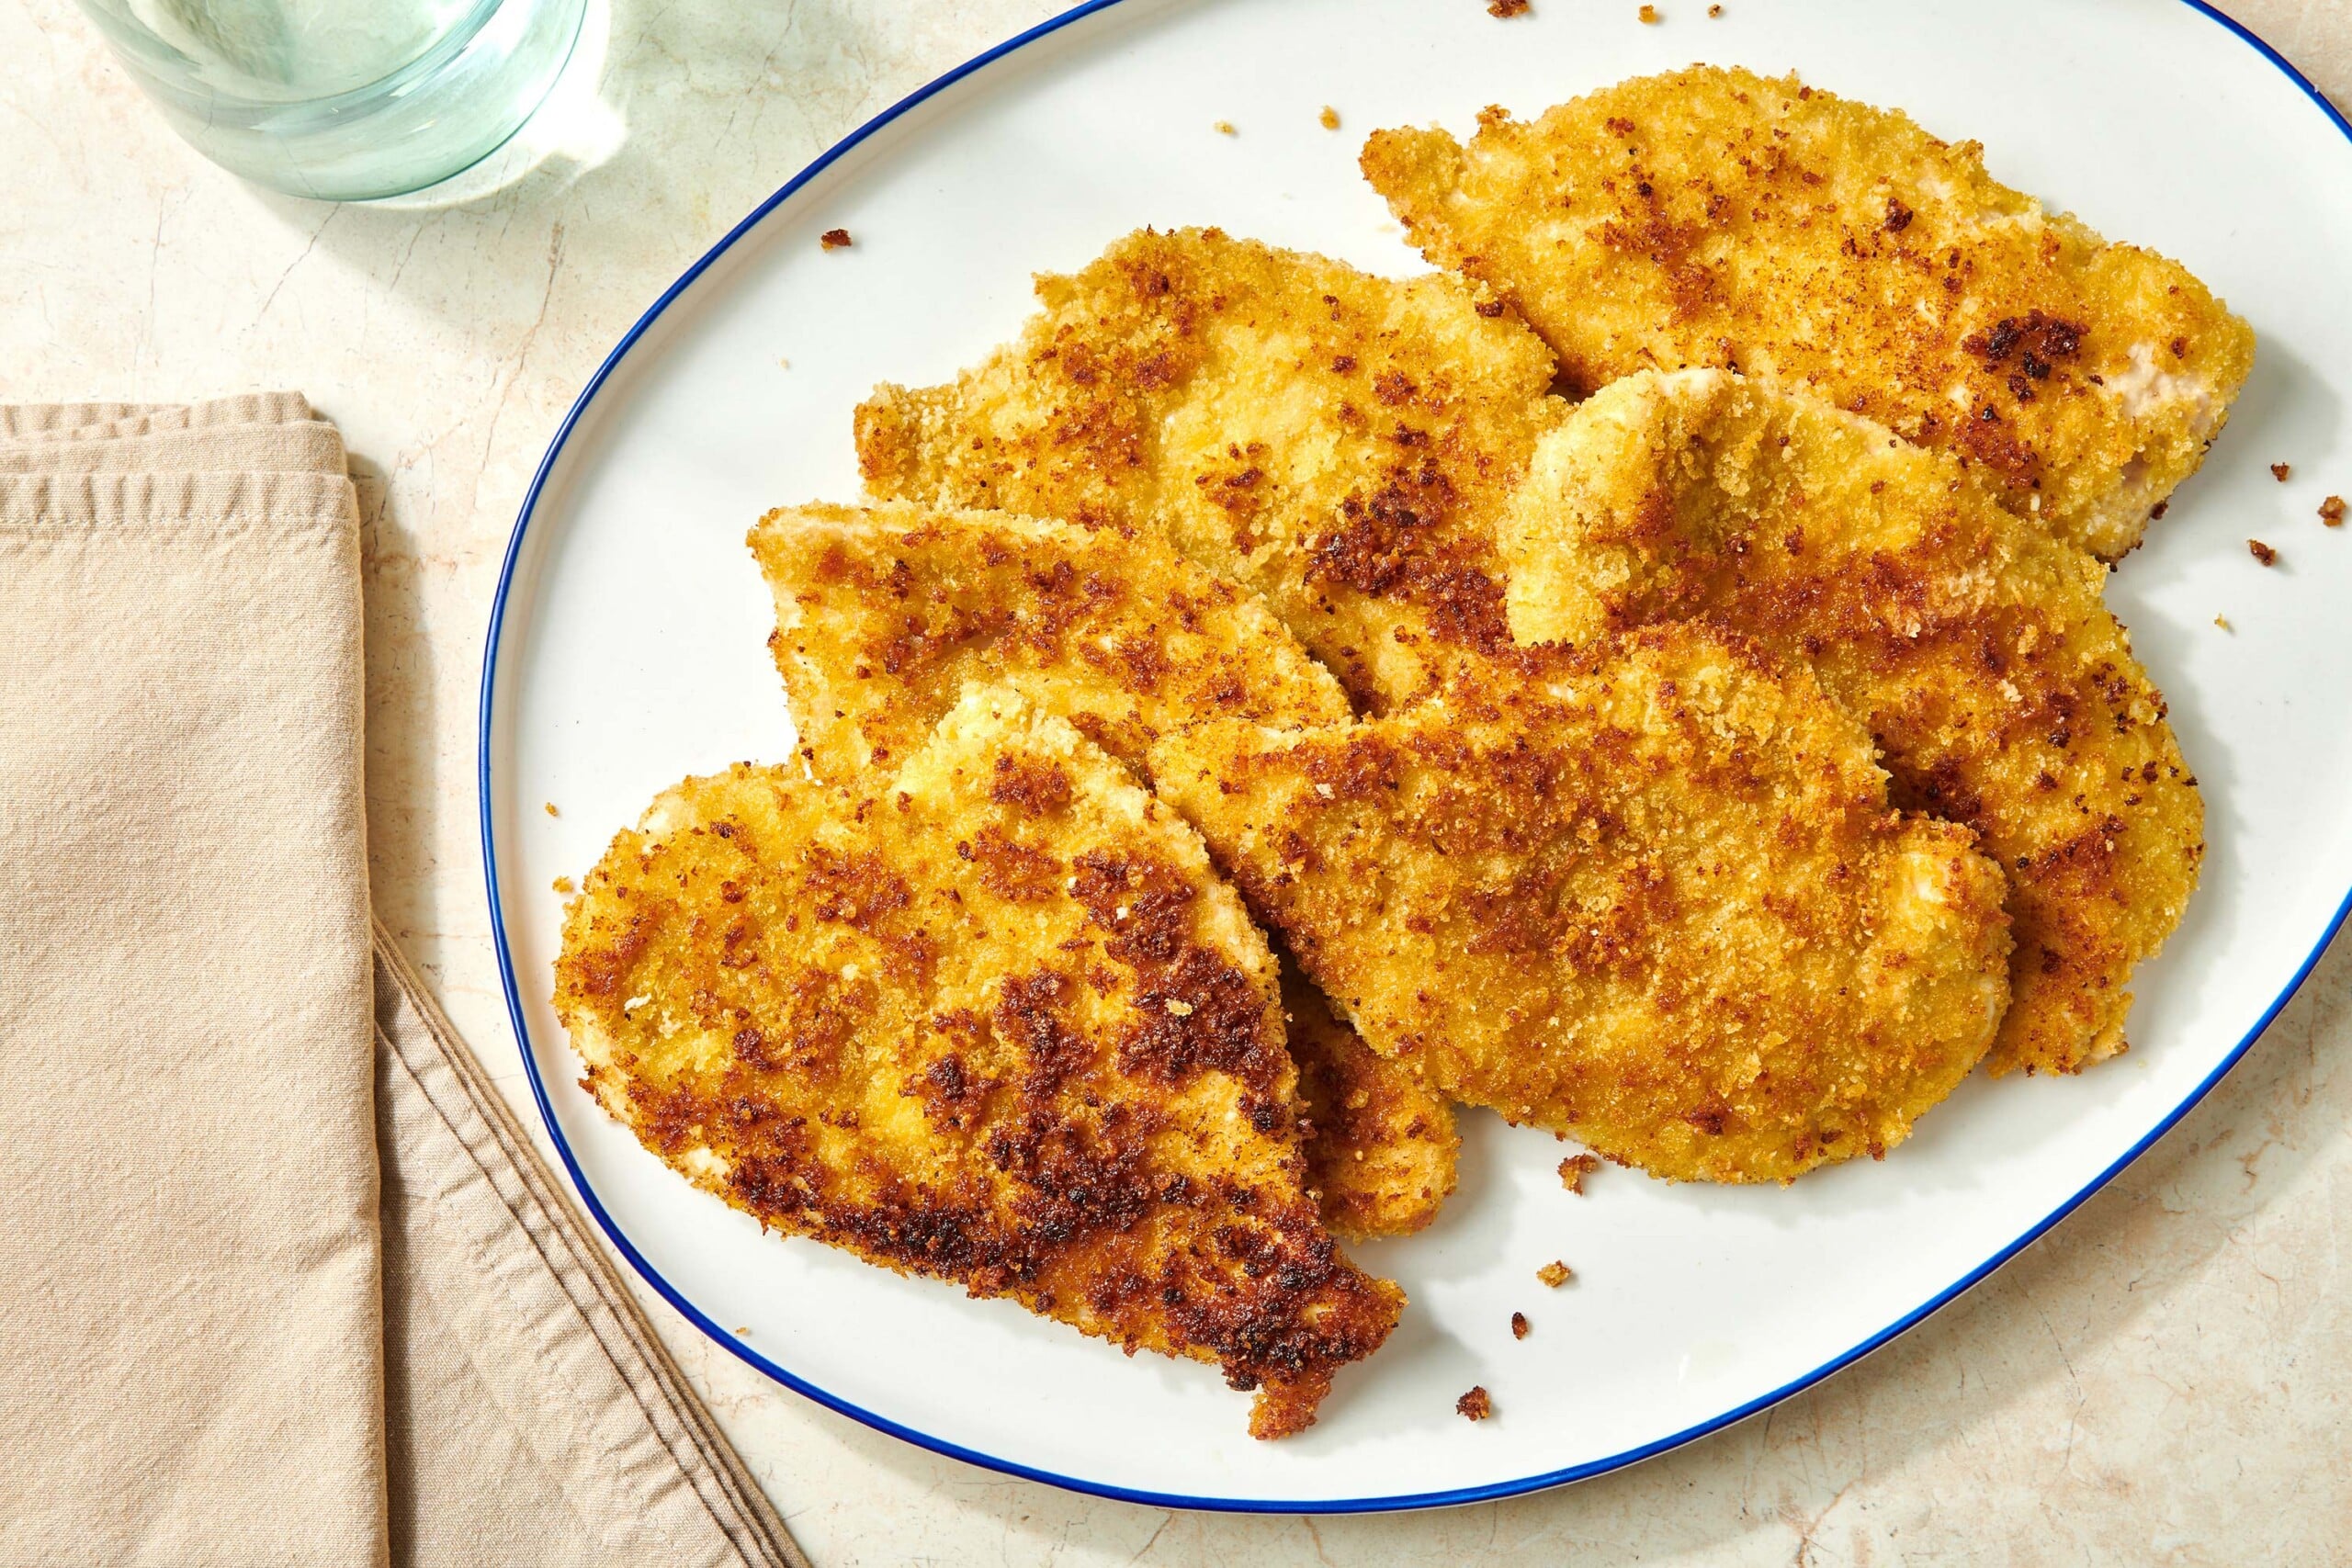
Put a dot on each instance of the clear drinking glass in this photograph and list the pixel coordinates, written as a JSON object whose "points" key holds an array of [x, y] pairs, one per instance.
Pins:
{"points": [[343, 99]]}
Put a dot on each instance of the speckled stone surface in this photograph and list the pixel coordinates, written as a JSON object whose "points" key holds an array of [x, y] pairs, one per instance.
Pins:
{"points": [[2163, 1378]]}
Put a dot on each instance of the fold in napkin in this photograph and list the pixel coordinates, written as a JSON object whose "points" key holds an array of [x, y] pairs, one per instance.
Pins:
{"points": [[281, 1281]]}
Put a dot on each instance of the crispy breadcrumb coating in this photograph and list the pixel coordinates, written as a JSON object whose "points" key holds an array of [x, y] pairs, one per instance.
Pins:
{"points": [[1715, 217], [1382, 1149], [1976, 647], [1338, 442], [884, 613], [1658, 902], [996, 1022]]}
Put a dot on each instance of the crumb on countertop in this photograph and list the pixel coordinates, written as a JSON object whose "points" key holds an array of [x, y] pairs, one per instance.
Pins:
{"points": [[1475, 1405], [1650, 15], [1575, 1169], [1518, 1325], [2282, 471], [1556, 1273], [1329, 117], [2331, 511], [834, 239], [1225, 127], [564, 884], [2262, 552], [1507, 7]]}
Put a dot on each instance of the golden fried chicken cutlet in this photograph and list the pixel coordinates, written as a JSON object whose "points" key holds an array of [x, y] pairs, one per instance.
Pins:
{"points": [[1658, 902], [1338, 442], [996, 1023], [1713, 217], [884, 613], [1383, 1151], [1976, 647]]}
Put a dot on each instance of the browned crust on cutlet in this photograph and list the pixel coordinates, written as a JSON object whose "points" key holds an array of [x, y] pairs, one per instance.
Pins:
{"points": [[1714, 218], [884, 614], [1977, 648], [1658, 902], [1382, 1151], [1337, 442], [881, 1021]]}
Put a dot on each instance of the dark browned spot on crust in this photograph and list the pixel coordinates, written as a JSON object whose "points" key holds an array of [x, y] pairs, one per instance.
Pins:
{"points": [[1029, 786]]}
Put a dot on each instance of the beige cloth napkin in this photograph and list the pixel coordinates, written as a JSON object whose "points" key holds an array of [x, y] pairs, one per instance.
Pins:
{"points": [[281, 1281]]}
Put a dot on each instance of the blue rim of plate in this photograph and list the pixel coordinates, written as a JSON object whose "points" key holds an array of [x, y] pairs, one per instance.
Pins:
{"points": [[1489, 1493]]}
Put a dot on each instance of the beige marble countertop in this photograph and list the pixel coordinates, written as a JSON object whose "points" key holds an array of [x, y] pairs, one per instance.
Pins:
{"points": [[2163, 1377]]}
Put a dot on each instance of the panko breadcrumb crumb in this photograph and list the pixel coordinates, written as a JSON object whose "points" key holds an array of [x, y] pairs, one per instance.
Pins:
{"points": [[2262, 552], [1575, 1169], [2331, 511], [1556, 1274], [1225, 127], [1329, 117], [1518, 1325], [564, 884], [1507, 7], [834, 240], [1474, 1406], [2283, 472], [1649, 16], [548, 806]]}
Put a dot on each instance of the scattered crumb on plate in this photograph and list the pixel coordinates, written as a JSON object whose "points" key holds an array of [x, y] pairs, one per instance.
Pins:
{"points": [[2262, 552], [1714, 11], [1474, 1406], [1649, 14], [1556, 1273], [1225, 127], [1575, 1169], [2281, 471], [1518, 1325], [1329, 117], [2331, 511], [2222, 622], [834, 239], [564, 884], [1507, 7], [548, 806]]}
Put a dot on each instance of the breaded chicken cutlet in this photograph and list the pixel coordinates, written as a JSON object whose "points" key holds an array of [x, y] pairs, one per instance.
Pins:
{"points": [[1659, 903], [1382, 1153], [996, 1022], [1714, 218], [884, 614], [1976, 647], [1337, 442]]}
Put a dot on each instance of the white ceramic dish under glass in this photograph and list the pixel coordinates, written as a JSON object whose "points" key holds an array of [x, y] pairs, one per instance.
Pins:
{"points": [[627, 649]]}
